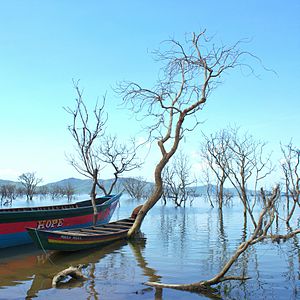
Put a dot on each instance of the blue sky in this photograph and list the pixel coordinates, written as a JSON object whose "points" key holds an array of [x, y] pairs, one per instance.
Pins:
{"points": [[45, 44]]}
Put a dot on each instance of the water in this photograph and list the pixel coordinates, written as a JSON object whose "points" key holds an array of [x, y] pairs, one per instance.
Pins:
{"points": [[178, 246]]}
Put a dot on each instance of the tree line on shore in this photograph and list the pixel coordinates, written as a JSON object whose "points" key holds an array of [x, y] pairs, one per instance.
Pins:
{"points": [[27, 186]]}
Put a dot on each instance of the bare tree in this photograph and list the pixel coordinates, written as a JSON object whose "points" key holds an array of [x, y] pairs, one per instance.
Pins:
{"points": [[86, 131], [291, 167], [43, 191], [215, 152], [176, 180], [95, 150], [238, 158], [206, 178], [136, 187], [120, 157], [56, 191], [246, 162], [29, 182], [8, 193], [69, 191], [191, 71]]}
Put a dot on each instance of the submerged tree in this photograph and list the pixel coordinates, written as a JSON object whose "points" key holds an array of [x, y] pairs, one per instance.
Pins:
{"points": [[86, 130], [177, 182], [191, 71], [69, 191], [94, 149], [8, 192], [239, 159], [214, 151], [136, 187], [291, 169], [246, 162], [30, 183]]}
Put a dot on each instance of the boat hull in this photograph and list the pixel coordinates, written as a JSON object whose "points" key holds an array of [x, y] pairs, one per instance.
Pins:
{"points": [[83, 238], [13, 222], [62, 242]]}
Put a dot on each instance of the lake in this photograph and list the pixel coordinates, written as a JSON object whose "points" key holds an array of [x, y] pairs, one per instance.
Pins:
{"points": [[178, 245]]}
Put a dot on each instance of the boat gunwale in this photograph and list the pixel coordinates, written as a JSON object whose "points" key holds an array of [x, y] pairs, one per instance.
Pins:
{"points": [[80, 231], [67, 206]]}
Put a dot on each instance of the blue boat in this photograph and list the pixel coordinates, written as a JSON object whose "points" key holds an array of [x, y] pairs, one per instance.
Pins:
{"points": [[14, 221]]}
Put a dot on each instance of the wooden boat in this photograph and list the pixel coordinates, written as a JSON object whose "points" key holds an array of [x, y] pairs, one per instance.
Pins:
{"points": [[14, 221], [82, 238]]}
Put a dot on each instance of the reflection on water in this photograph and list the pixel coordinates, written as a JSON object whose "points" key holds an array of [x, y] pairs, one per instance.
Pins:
{"points": [[178, 245]]}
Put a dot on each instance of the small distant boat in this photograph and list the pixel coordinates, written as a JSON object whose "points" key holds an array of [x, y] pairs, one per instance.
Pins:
{"points": [[82, 238], [14, 221]]}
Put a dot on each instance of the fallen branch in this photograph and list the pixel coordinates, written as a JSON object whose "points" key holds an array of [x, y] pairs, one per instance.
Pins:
{"points": [[199, 287], [73, 272], [278, 237]]}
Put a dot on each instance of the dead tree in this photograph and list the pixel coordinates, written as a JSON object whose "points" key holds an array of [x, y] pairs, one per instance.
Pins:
{"points": [[261, 232], [120, 157], [245, 161], [56, 191], [214, 151], [86, 132], [237, 158], [206, 178], [69, 191], [136, 187], [8, 192], [191, 71], [291, 167], [29, 182], [176, 181]]}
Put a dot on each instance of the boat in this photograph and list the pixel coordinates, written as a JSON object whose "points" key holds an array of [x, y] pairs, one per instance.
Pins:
{"points": [[14, 221], [82, 238]]}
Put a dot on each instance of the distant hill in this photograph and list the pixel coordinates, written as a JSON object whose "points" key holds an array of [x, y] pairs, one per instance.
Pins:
{"points": [[202, 190], [4, 182], [83, 186]]}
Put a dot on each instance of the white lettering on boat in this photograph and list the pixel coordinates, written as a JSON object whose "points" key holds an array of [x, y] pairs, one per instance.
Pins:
{"points": [[67, 237], [48, 224]]}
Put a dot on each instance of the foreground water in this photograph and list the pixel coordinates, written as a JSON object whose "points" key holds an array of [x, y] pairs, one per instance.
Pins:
{"points": [[179, 245]]}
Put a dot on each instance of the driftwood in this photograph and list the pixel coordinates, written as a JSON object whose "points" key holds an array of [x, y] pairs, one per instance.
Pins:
{"points": [[74, 272]]}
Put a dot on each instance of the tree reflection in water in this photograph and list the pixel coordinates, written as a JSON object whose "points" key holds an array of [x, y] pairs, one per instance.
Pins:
{"points": [[47, 265], [179, 245]]}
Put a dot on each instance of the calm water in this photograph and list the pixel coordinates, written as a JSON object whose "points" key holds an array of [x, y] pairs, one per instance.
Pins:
{"points": [[178, 246]]}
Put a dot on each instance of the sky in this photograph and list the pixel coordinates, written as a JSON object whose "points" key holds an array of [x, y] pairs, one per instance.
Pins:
{"points": [[44, 45]]}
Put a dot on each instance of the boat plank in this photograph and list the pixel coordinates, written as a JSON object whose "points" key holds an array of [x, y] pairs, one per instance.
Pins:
{"points": [[116, 226], [101, 231], [125, 223], [106, 229]]}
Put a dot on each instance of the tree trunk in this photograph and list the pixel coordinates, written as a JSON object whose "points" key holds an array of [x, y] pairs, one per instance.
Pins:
{"points": [[152, 200], [220, 196], [93, 196], [290, 214]]}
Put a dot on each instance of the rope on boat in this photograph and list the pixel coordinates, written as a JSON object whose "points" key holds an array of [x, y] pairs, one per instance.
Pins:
{"points": [[45, 252]]}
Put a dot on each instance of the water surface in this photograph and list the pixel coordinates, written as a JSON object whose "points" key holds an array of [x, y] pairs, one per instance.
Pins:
{"points": [[179, 245]]}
